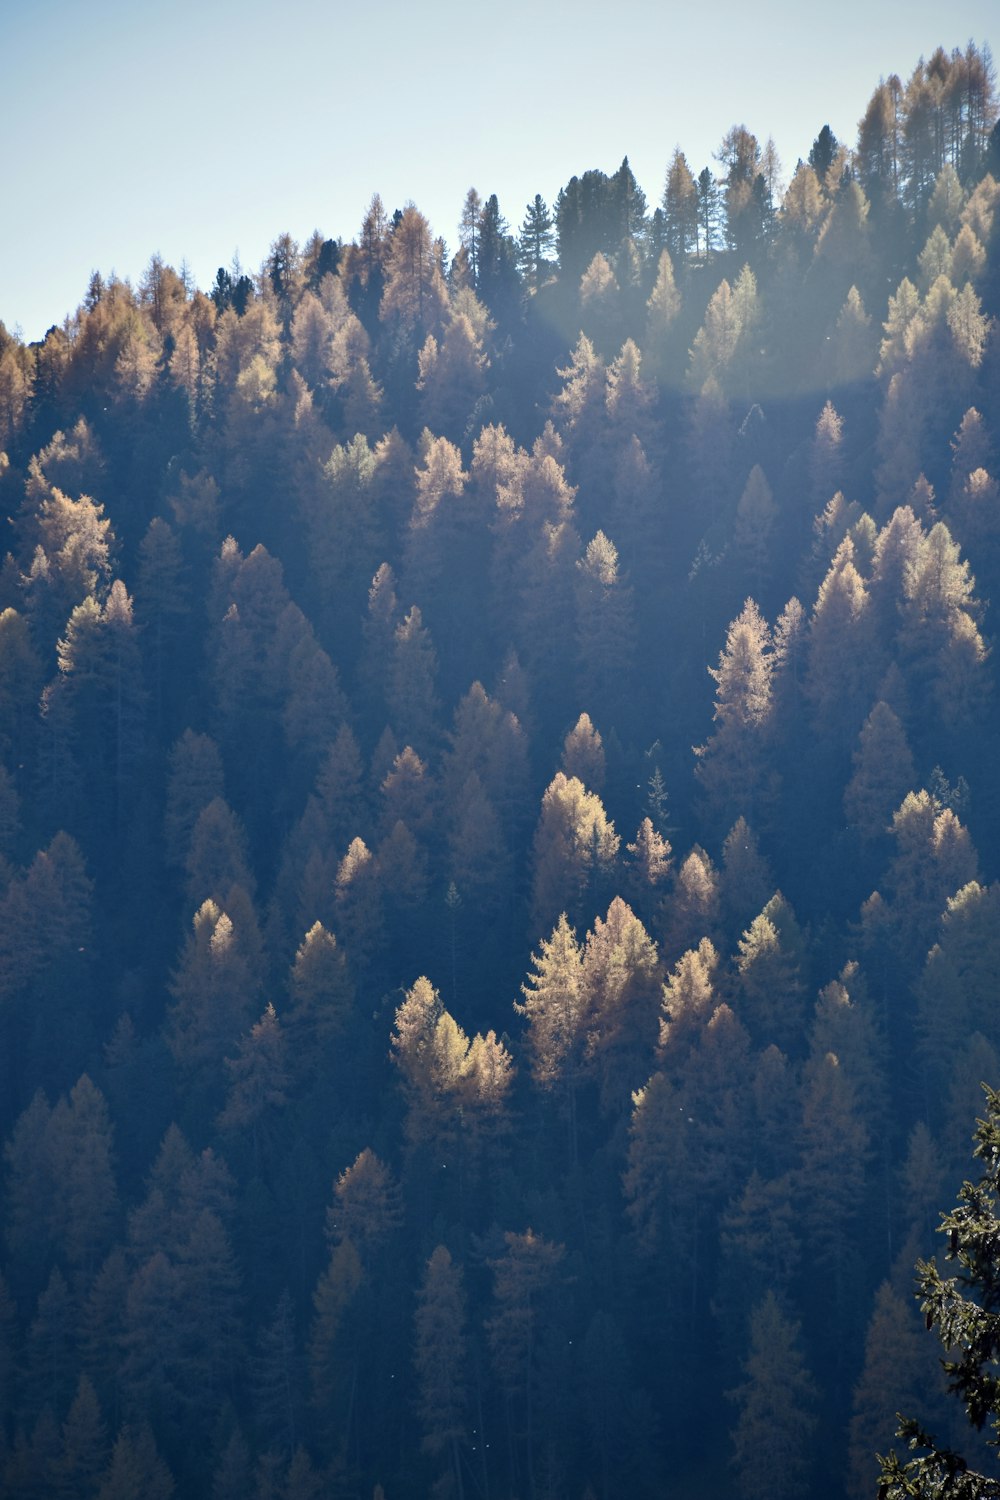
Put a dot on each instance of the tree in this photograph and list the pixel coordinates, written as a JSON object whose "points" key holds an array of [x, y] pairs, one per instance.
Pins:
{"points": [[410, 695], [136, 1470], [836, 1151], [96, 705], [440, 1358], [741, 156], [85, 1203], [680, 208], [934, 859], [894, 1375], [535, 242], [415, 297], [733, 766], [498, 283], [366, 1206], [604, 629], [452, 377], [708, 212], [756, 514], [964, 1310], [217, 856], [358, 898], [955, 992], [772, 1440], [693, 909], [84, 1444], [523, 1282], [688, 1002], [715, 343], [321, 999], [258, 1081], [554, 1009], [575, 847], [746, 880], [883, 773], [843, 657], [661, 312], [162, 604], [770, 988], [214, 992], [621, 983]]}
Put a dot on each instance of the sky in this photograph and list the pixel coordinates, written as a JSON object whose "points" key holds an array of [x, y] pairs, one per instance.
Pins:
{"points": [[203, 129]]}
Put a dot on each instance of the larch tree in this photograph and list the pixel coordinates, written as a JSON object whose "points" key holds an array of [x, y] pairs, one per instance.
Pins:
{"points": [[745, 880], [934, 858], [339, 787], [760, 1248], [894, 1377], [883, 773], [411, 691], [321, 1001], [428, 1047], [358, 904], [214, 991], [555, 1013], [756, 515], [842, 654], [136, 1470], [680, 208], [688, 1001], [605, 629], [581, 398], [773, 1435], [277, 1378], [84, 1443], [826, 455], [487, 740], [414, 296], [86, 1206], [524, 1277], [954, 992], [440, 1357], [629, 396], [258, 1083], [96, 706], [733, 765], [479, 860], [715, 343], [621, 987], [769, 986], [366, 1208], [941, 644], [836, 1153], [217, 855], [331, 1359], [648, 868], [693, 908], [21, 674], [575, 848], [600, 302], [661, 313], [452, 376]]}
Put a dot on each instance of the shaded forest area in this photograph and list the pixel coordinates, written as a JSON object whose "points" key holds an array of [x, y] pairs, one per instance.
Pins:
{"points": [[498, 809]]}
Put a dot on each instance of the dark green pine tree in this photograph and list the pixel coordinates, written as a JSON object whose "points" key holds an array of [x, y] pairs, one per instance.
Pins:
{"points": [[965, 1309], [535, 242]]}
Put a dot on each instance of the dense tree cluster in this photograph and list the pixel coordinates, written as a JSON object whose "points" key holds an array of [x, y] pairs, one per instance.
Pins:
{"points": [[497, 800]]}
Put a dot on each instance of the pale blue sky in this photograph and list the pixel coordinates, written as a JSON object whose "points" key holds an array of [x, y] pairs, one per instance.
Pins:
{"points": [[196, 130]]}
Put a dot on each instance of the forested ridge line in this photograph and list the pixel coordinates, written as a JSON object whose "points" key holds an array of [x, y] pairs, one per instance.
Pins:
{"points": [[498, 906]]}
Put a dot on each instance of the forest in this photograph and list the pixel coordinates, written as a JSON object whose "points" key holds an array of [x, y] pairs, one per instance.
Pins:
{"points": [[499, 920]]}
